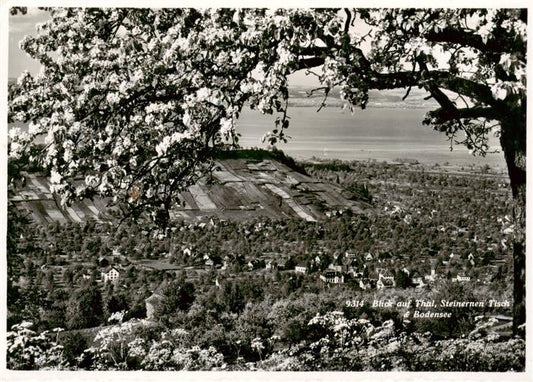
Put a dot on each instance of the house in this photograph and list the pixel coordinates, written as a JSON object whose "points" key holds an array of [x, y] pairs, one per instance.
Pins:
{"points": [[417, 279], [354, 271], [226, 261], [432, 276], [385, 282], [337, 268], [300, 268], [461, 279], [110, 274], [384, 273], [209, 262], [269, 265], [282, 263], [350, 255], [255, 264], [332, 277], [385, 279]]}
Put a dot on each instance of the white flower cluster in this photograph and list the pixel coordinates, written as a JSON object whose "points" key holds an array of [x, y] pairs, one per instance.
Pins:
{"points": [[29, 350], [116, 316]]}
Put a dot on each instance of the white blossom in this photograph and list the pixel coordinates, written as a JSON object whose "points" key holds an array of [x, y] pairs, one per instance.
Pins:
{"points": [[55, 177]]}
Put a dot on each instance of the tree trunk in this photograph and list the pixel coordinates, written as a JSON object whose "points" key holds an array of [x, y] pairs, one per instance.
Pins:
{"points": [[513, 142]]}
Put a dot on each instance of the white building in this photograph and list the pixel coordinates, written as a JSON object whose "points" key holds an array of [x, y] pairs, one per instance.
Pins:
{"points": [[461, 279], [111, 275], [332, 277]]}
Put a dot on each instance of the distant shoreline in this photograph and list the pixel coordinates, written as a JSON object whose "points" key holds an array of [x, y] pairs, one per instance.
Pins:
{"points": [[449, 169]]}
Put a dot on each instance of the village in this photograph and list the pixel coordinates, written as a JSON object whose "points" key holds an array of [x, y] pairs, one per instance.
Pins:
{"points": [[381, 236], [361, 272], [379, 232], [355, 270]]}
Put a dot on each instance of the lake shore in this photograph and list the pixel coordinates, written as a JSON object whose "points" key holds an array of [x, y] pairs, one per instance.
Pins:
{"points": [[382, 134]]}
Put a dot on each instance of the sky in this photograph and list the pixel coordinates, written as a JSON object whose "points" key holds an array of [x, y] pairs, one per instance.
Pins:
{"points": [[19, 26]]}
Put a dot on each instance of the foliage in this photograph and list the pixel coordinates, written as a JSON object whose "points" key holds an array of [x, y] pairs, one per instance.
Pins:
{"points": [[446, 202], [85, 308], [74, 345], [356, 344], [335, 341], [163, 356], [127, 347], [113, 346], [466, 355], [134, 100], [332, 166], [18, 224], [463, 319], [177, 296], [29, 350], [360, 192]]}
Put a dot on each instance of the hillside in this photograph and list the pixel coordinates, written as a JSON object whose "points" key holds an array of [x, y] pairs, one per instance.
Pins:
{"points": [[244, 187]]}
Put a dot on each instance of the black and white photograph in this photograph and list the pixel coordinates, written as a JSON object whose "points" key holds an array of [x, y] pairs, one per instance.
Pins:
{"points": [[261, 189]]}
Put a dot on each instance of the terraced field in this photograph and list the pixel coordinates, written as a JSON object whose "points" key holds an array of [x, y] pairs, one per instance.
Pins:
{"points": [[244, 189]]}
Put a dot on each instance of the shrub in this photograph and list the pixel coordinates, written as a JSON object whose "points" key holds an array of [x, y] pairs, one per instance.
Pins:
{"points": [[29, 350]]}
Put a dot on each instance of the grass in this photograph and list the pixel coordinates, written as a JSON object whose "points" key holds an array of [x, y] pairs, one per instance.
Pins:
{"points": [[157, 265]]}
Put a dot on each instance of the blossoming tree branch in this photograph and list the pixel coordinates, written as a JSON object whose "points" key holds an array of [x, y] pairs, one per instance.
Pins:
{"points": [[132, 103]]}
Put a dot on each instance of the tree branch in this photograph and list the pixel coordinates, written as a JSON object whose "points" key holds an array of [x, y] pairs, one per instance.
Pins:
{"points": [[456, 36], [467, 88], [348, 20], [442, 115], [307, 63], [440, 79], [315, 51]]}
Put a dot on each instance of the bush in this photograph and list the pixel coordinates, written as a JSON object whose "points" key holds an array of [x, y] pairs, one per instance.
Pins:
{"points": [[350, 345], [29, 350], [74, 344]]}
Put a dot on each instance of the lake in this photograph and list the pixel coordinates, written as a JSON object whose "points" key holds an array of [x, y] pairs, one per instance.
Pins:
{"points": [[380, 133], [384, 134]]}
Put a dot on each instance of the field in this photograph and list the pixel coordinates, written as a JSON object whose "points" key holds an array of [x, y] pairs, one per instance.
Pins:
{"points": [[243, 189]]}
